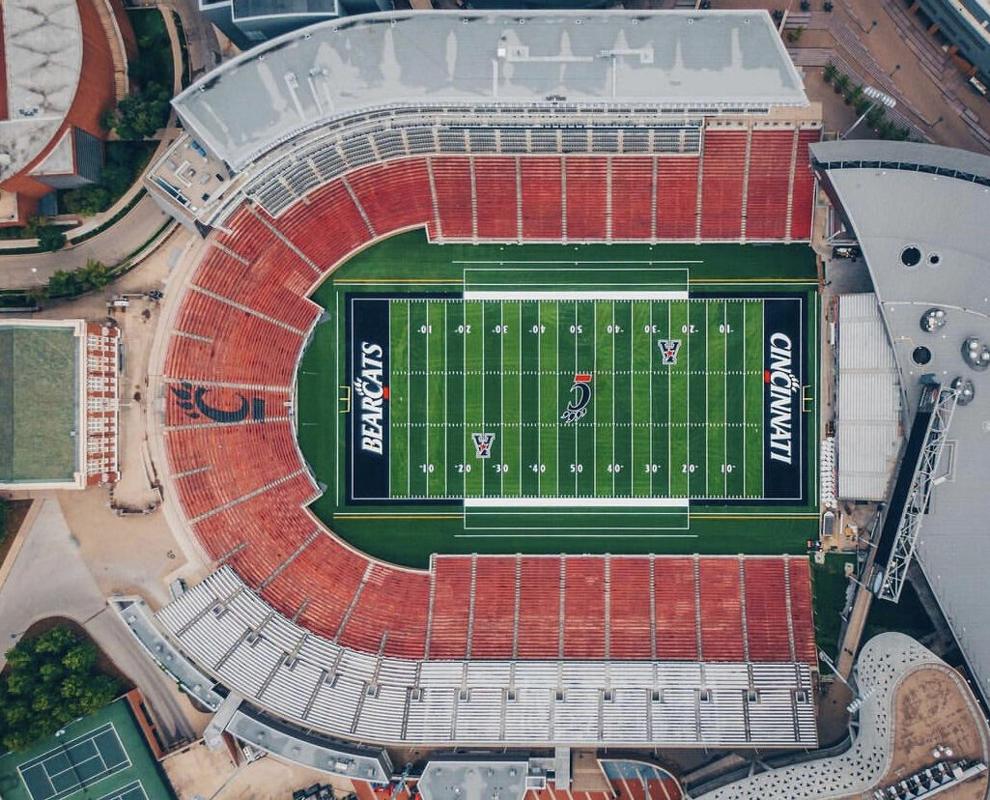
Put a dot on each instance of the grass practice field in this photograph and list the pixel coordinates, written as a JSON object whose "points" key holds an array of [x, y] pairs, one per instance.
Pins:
{"points": [[37, 403], [561, 398]]}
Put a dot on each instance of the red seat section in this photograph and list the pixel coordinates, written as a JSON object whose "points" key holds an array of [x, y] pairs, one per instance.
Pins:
{"points": [[539, 608], [275, 282], [390, 614], [494, 607], [495, 185], [721, 610], [322, 580], [676, 609], [584, 607], [631, 631], [803, 192], [766, 610], [585, 185], [325, 225], [225, 344], [542, 201], [677, 197], [451, 607], [394, 195], [802, 617], [452, 180], [768, 184], [210, 468], [245, 234], [632, 197], [262, 531], [722, 184]]}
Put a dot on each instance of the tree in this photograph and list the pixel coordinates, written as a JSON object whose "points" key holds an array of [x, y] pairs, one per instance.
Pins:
{"points": [[87, 200], [50, 680], [830, 72], [63, 284], [95, 275], [841, 83], [50, 238], [141, 114]]}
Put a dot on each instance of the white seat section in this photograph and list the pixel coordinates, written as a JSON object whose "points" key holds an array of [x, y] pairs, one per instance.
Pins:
{"points": [[234, 636]]}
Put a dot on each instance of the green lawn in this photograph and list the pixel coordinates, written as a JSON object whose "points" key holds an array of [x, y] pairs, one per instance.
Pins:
{"points": [[37, 404], [510, 375]]}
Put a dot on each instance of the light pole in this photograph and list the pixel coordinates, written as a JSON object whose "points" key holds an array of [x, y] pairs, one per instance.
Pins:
{"points": [[877, 97], [893, 72]]}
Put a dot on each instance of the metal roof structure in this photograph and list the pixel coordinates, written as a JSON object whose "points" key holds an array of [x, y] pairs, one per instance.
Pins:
{"points": [[43, 46], [868, 418], [678, 62], [920, 215], [232, 635]]}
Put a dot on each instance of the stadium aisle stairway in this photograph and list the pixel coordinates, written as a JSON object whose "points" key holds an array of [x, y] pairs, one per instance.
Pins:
{"points": [[723, 175], [633, 198], [542, 199], [769, 178]]}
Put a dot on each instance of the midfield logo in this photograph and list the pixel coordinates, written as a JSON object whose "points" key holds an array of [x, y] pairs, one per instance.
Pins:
{"points": [[581, 398], [668, 350], [483, 444]]}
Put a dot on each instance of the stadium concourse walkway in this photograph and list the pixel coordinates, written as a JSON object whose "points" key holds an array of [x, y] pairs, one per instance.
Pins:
{"points": [[237, 473]]}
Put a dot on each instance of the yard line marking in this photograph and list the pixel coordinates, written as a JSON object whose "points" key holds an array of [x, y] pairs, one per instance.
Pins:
{"points": [[745, 338], [501, 390], [408, 404], [519, 409], [446, 395], [725, 398], [649, 357], [464, 408], [613, 398], [687, 453], [539, 395], [708, 452], [427, 334]]}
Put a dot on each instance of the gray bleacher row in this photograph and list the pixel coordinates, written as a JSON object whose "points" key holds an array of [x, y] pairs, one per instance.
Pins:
{"points": [[397, 133], [230, 633]]}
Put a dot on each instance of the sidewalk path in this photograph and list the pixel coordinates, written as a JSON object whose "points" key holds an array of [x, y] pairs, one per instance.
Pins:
{"points": [[49, 578]]}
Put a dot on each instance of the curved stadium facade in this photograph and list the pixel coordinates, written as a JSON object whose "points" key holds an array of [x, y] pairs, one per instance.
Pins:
{"points": [[477, 127]]}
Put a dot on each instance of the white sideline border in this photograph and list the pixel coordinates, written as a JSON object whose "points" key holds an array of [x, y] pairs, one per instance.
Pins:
{"points": [[576, 502], [487, 294]]}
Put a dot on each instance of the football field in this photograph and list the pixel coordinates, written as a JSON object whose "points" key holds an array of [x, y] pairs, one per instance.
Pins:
{"points": [[620, 392]]}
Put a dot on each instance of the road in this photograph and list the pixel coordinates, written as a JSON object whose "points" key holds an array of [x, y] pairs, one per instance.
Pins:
{"points": [[111, 247], [49, 578]]}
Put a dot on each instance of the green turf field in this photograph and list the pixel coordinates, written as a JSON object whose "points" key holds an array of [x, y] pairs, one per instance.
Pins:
{"points": [[482, 349], [38, 398]]}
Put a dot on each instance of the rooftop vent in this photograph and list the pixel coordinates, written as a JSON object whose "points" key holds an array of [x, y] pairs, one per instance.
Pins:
{"points": [[933, 319]]}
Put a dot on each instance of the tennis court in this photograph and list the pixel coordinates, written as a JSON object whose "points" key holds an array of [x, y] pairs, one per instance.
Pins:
{"points": [[75, 764]]}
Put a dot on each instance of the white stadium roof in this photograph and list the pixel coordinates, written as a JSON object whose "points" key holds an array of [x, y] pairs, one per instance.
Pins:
{"points": [[673, 61], [899, 195]]}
